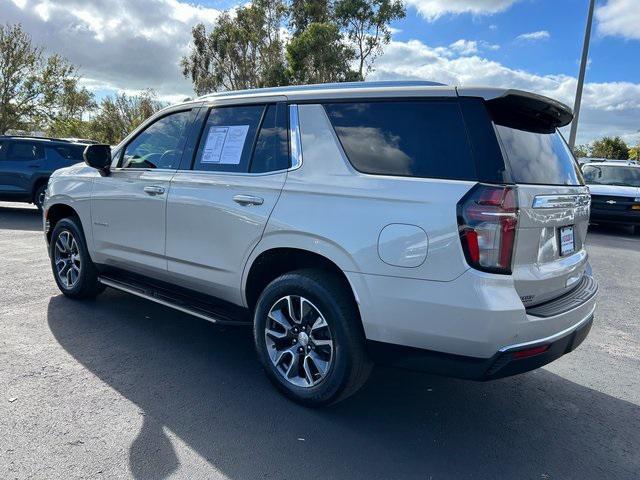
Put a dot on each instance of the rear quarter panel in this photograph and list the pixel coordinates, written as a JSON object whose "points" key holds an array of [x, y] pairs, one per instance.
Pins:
{"points": [[330, 208]]}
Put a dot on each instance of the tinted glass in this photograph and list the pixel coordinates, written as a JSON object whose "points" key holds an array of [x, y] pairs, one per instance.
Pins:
{"points": [[539, 158], [160, 144], [228, 137], [70, 152], [406, 138], [611, 175], [271, 152], [24, 151]]}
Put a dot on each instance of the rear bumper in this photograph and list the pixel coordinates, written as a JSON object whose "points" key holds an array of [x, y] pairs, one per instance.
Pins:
{"points": [[627, 217], [506, 362]]}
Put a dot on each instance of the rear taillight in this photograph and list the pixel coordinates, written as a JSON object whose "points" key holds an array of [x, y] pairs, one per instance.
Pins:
{"points": [[487, 220]]}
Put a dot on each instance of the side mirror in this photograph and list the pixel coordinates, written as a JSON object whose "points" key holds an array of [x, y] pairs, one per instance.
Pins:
{"points": [[98, 157]]}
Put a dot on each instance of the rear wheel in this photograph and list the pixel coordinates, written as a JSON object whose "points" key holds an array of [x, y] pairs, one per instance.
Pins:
{"points": [[38, 196], [73, 270], [309, 338]]}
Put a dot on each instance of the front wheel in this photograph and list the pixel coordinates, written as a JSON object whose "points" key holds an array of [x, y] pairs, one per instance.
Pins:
{"points": [[73, 270], [309, 338]]}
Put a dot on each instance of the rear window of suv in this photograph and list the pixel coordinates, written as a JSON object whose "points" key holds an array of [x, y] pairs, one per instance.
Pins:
{"points": [[538, 158], [405, 138]]}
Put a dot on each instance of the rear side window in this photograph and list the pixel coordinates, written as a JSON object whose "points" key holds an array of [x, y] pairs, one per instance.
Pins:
{"points": [[538, 158], [70, 152], [227, 140], [24, 151], [271, 152], [405, 138]]}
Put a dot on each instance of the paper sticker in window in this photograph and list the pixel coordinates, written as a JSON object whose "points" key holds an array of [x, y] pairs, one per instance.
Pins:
{"points": [[224, 145]]}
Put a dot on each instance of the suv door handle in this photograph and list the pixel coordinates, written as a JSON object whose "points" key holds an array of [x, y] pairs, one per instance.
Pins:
{"points": [[154, 190], [245, 200], [35, 166]]}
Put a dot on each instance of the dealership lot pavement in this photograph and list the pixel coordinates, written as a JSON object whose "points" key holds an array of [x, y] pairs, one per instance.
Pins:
{"points": [[123, 388]]}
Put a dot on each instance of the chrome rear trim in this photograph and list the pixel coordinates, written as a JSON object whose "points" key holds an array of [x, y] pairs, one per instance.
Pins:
{"points": [[561, 201]]}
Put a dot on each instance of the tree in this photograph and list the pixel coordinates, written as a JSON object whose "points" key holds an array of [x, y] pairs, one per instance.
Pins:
{"points": [[120, 114], [34, 88], [367, 26], [581, 151], [610, 147], [634, 152], [241, 51], [303, 13], [318, 55]]}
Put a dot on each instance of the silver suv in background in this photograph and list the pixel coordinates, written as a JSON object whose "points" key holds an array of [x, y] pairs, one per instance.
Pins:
{"points": [[422, 226]]}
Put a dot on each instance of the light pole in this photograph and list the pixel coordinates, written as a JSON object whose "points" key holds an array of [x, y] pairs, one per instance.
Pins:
{"points": [[583, 69]]}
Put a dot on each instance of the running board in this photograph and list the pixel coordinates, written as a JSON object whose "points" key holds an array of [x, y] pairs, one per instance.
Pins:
{"points": [[161, 296]]}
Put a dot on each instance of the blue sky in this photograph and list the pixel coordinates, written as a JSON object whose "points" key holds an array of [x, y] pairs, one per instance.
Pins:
{"points": [[535, 45]]}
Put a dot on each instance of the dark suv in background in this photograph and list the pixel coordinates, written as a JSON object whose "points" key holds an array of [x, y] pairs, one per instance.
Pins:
{"points": [[26, 163]]}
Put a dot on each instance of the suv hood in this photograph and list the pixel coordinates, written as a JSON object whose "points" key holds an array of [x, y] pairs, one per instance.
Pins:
{"points": [[614, 190]]}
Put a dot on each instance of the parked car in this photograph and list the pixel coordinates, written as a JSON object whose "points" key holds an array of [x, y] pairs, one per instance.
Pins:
{"points": [[615, 192], [422, 226], [27, 162]]}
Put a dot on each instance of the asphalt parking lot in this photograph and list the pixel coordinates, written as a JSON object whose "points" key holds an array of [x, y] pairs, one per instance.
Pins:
{"points": [[123, 388]]}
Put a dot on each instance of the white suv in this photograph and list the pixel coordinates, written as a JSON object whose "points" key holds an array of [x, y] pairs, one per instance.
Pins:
{"points": [[422, 226]]}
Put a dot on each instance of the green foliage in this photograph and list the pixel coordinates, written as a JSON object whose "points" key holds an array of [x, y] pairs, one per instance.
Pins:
{"points": [[36, 90], [634, 153], [303, 13], [324, 41], [367, 26], [318, 55], [581, 151], [120, 114], [610, 147], [241, 51]]}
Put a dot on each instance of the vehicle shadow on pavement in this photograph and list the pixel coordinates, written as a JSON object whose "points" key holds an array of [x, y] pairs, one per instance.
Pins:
{"points": [[203, 383], [25, 218]]}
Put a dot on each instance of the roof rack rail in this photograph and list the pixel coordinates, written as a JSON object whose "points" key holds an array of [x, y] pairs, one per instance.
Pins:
{"points": [[329, 86]]}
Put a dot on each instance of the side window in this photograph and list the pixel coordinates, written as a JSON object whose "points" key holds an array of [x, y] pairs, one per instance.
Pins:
{"points": [[271, 152], [405, 138], [228, 138], [160, 144], [70, 152], [24, 151]]}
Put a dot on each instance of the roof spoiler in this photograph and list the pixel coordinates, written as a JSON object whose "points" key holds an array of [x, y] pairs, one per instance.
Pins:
{"points": [[528, 111]]}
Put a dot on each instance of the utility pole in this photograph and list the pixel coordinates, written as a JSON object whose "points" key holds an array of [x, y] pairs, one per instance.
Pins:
{"points": [[583, 69]]}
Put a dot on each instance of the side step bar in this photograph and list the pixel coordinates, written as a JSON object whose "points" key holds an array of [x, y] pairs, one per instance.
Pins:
{"points": [[161, 297]]}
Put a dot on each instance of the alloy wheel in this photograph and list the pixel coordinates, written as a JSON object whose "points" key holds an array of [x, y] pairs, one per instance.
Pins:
{"points": [[67, 259], [299, 341]]}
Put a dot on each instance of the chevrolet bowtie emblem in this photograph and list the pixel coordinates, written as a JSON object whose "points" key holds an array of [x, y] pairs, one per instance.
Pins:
{"points": [[611, 202]]}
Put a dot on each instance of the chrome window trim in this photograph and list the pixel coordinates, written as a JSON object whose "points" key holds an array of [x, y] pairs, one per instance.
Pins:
{"points": [[561, 201], [295, 141]]}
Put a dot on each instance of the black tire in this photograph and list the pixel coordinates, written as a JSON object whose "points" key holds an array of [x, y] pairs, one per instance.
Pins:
{"points": [[349, 366], [86, 284], [38, 196]]}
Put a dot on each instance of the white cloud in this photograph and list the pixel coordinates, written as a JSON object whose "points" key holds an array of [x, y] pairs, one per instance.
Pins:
{"points": [[464, 47], [534, 36], [434, 9], [118, 45], [607, 108], [619, 18]]}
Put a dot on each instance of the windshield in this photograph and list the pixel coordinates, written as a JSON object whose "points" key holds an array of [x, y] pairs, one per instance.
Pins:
{"points": [[539, 158], [612, 175]]}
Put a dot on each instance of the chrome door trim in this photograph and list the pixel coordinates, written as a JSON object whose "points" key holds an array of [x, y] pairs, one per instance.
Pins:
{"points": [[295, 141]]}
